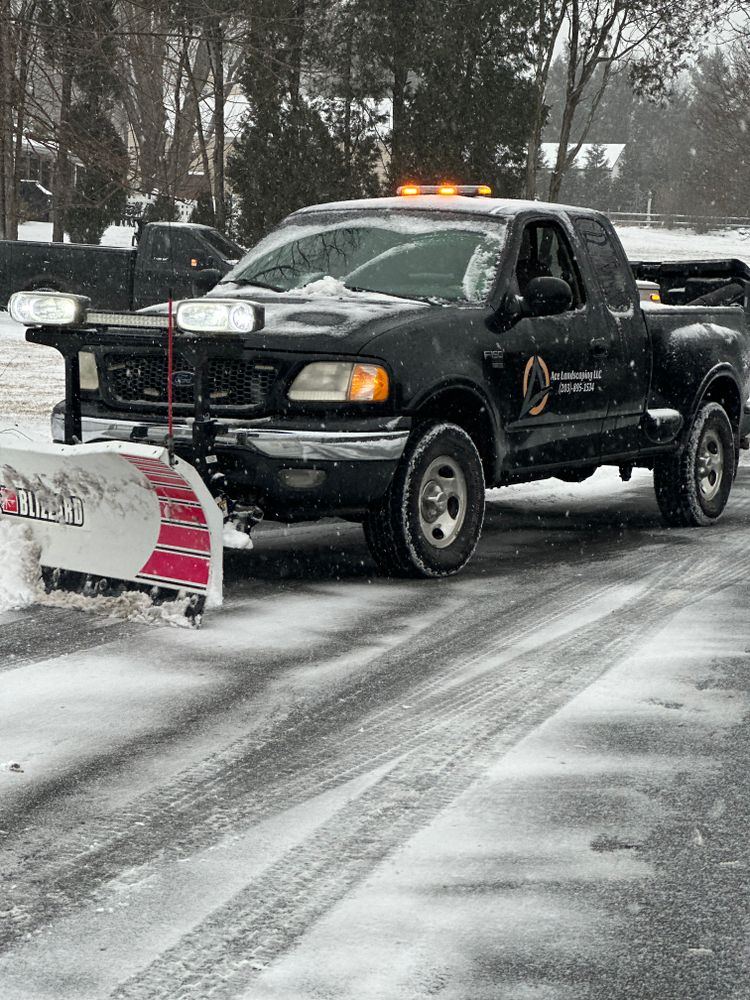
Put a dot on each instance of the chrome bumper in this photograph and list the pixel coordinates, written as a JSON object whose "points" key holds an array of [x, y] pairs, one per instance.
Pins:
{"points": [[294, 445]]}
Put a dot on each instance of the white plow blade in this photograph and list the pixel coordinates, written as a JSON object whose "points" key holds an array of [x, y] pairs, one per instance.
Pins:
{"points": [[115, 510]]}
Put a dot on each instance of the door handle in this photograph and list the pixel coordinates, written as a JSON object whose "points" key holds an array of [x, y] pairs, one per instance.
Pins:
{"points": [[599, 349]]}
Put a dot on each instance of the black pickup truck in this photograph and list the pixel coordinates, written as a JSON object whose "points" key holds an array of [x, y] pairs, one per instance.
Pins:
{"points": [[385, 360], [184, 258]]}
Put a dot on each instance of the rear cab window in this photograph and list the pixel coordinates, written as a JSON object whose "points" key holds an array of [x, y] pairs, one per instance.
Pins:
{"points": [[609, 265]]}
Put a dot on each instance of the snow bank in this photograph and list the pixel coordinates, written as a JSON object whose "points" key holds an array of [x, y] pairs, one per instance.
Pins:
{"points": [[20, 581], [646, 243], [41, 232]]}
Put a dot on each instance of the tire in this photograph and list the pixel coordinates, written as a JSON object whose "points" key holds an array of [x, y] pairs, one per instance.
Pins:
{"points": [[693, 486], [429, 522]]}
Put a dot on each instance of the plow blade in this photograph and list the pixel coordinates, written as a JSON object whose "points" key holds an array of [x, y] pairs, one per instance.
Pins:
{"points": [[117, 512]]}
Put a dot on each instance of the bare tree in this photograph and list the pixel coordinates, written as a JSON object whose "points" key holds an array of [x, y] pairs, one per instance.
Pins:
{"points": [[549, 18], [653, 38], [17, 52]]}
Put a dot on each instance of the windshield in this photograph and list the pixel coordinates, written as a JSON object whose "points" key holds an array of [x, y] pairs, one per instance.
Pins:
{"points": [[411, 256], [227, 248]]}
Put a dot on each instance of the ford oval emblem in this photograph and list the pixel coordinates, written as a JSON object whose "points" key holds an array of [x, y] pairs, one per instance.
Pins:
{"points": [[182, 380]]}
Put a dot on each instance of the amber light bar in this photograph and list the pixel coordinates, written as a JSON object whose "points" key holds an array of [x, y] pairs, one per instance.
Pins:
{"points": [[468, 190]]}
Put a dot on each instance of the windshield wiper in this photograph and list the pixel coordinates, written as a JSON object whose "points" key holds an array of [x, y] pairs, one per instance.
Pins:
{"points": [[249, 281], [395, 295]]}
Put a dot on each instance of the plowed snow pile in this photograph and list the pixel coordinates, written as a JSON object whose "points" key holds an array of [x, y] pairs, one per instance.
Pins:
{"points": [[20, 581], [21, 585]]}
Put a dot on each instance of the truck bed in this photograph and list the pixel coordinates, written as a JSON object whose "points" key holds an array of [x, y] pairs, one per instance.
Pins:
{"points": [[85, 270], [697, 282]]}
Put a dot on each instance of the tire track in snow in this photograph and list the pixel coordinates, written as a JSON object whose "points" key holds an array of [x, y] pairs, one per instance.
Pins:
{"points": [[220, 956], [43, 633], [319, 748]]}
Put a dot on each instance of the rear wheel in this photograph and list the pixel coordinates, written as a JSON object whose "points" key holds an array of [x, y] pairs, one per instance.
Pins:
{"points": [[429, 522], [693, 486]]}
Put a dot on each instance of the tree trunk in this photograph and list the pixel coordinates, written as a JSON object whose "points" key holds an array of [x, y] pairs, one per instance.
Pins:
{"points": [[347, 91], [61, 183], [562, 163], [400, 68], [6, 118], [216, 50]]}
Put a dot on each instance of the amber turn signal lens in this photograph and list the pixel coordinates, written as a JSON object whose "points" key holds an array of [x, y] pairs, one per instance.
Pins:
{"points": [[447, 189], [368, 384], [409, 189]]}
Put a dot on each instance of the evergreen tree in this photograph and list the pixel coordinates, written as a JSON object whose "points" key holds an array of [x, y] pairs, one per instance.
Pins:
{"points": [[99, 196], [470, 114], [286, 156]]}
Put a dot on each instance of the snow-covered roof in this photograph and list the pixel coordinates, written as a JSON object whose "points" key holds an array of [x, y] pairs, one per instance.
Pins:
{"points": [[612, 153], [46, 150], [445, 203]]}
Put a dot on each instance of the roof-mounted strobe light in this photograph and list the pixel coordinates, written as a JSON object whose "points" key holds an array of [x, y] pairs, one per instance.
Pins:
{"points": [[467, 190], [48, 308]]}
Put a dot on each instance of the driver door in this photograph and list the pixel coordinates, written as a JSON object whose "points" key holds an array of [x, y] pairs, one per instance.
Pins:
{"points": [[553, 395]]}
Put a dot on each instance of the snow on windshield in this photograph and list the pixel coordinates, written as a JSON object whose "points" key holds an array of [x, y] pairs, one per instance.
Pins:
{"points": [[435, 257]]}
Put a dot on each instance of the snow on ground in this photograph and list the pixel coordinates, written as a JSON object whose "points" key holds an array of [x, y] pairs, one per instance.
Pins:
{"points": [[32, 380], [647, 243], [41, 232], [533, 882]]}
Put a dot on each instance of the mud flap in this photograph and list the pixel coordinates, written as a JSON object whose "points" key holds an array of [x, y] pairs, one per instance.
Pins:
{"points": [[115, 511]]}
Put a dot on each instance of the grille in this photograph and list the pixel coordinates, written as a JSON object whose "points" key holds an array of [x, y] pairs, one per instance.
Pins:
{"points": [[142, 379]]}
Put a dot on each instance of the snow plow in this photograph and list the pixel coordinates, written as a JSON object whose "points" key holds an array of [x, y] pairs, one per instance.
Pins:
{"points": [[107, 516], [110, 515]]}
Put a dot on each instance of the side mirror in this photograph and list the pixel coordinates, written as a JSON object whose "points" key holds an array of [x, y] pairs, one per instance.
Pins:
{"points": [[205, 280], [547, 296]]}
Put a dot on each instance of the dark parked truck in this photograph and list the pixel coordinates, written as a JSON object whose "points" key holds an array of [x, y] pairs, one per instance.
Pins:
{"points": [[386, 360], [181, 258]]}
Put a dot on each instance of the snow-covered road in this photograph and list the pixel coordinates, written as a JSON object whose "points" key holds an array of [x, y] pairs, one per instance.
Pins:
{"points": [[524, 783]]}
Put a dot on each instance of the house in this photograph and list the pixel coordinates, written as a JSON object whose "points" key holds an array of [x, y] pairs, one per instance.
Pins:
{"points": [[612, 154]]}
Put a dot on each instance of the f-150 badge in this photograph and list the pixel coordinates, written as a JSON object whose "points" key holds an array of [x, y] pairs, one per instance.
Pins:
{"points": [[536, 386]]}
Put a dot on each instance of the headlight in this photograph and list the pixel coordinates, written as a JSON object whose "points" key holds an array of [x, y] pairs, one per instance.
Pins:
{"points": [[48, 308], [340, 382], [219, 316]]}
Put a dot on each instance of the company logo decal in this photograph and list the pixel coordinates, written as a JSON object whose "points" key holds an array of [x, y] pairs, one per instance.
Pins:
{"points": [[26, 503], [183, 380], [537, 386]]}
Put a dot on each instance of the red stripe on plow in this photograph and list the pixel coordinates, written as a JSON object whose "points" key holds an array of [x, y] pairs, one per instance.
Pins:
{"points": [[178, 537], [187, 570], [173, 493], [175, 511]]}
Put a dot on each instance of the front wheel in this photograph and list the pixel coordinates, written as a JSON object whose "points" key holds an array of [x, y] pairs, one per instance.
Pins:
{"points": [[693, 486], [429, 522]]}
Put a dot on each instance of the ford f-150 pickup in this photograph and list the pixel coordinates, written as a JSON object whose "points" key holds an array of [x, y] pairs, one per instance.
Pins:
{"points": [[181, 258], [385, 360]]}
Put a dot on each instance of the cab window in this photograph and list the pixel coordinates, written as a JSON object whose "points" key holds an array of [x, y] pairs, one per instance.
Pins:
{"points": [[545, 252], [160, 250], [611, 270]]}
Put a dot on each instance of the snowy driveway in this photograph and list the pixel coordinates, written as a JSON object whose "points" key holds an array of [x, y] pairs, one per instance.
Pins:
{"points": [[525, 782]]}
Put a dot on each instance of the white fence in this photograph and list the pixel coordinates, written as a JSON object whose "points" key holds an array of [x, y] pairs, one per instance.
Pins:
{"points": [[700, 223]]}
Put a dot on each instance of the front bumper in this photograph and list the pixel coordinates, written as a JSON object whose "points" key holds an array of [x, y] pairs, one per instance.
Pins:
{"points": [[357, 465]]}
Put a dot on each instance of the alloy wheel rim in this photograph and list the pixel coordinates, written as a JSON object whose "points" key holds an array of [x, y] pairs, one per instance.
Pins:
{"points": [[443, 497], [710, 468]]}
